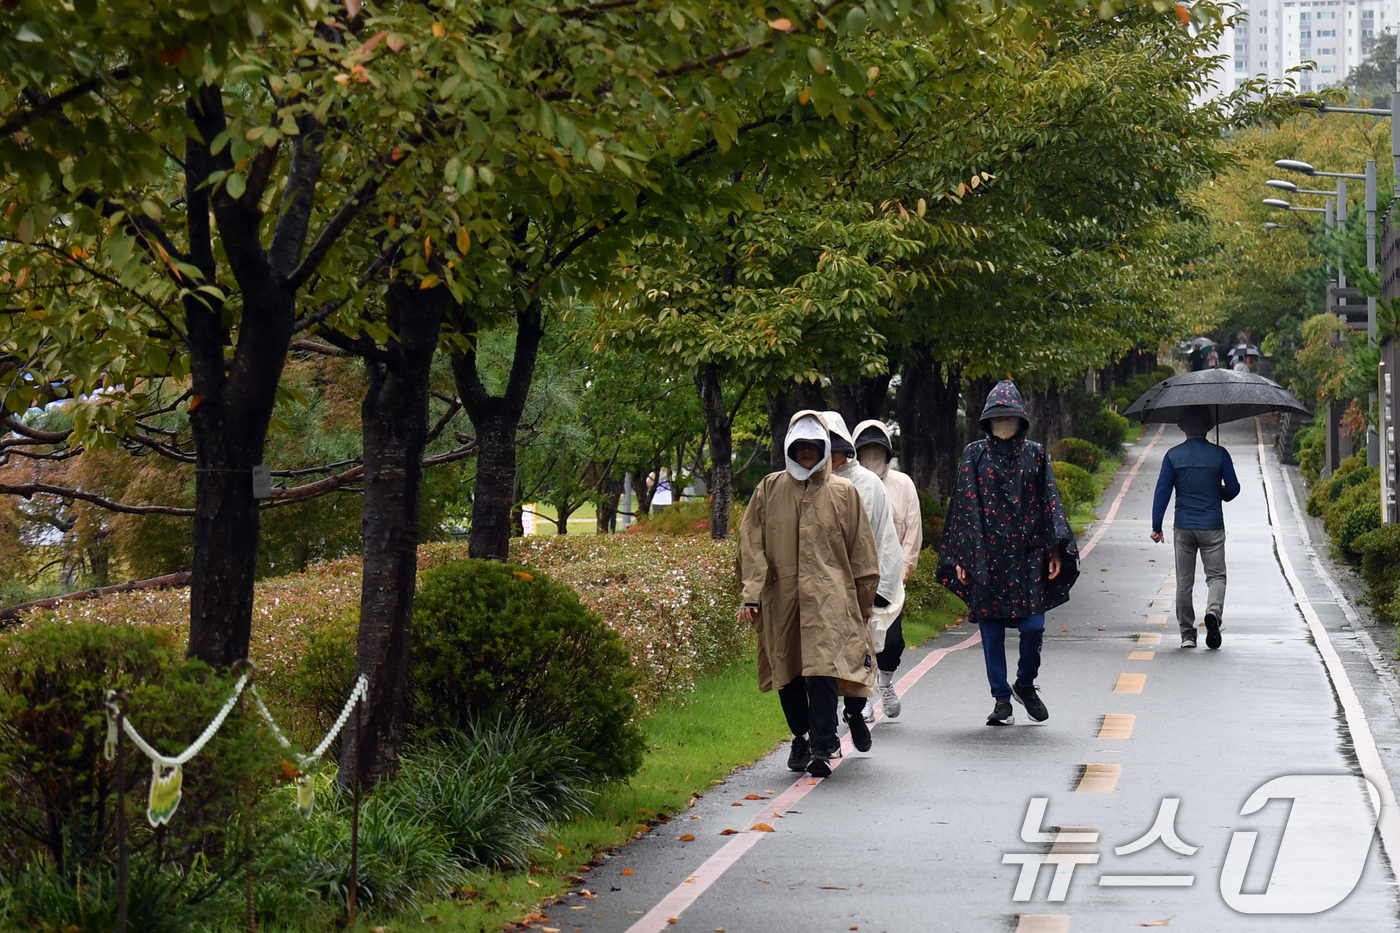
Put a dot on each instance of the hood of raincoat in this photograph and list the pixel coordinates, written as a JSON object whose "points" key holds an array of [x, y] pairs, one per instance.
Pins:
{"points": [[1004, 401], [841, 442], [807, 425], [873, 433]]}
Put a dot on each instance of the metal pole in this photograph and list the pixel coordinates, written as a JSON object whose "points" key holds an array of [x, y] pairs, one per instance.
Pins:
{"points": [[355, 812], [120, 701], [1342, 231], [1395, 123], [1330, 222]]}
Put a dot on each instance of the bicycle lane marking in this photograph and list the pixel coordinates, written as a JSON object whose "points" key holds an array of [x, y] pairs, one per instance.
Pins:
{"points": [[689, 890], [1363, 742], [1122, 493]]}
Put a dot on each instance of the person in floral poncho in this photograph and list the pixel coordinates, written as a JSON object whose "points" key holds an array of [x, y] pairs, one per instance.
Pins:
{"points": [[1007, 547]]}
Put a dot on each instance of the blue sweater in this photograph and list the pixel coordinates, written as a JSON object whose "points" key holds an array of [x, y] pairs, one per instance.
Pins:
{"points": [[1203, 476]]}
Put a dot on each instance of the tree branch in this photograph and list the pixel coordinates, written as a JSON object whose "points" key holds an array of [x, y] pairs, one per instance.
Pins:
{"points": [[50, 104]]}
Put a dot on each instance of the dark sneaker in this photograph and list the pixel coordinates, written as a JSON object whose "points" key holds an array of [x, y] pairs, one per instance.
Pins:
{"points": [[860, 732], [1188, 639], [801, 754], [1002, 715], [818, 766], [1029, 696], [1212, 630]]}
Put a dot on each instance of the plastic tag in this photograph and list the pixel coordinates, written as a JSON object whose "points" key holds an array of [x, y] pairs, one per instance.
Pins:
{"points": [[109, 748], [306, 796], [165, 794], [262, 481]]}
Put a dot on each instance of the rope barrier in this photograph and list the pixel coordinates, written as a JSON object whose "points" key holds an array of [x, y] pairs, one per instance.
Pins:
{"points": [[166, 775]]}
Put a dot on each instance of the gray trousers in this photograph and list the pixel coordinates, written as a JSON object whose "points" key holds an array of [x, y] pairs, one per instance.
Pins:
{"points": [[1211, 545]]}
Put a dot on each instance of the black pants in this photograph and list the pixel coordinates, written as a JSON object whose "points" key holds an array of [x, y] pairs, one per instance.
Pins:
{"points": [[888, 660], [809, 703]]}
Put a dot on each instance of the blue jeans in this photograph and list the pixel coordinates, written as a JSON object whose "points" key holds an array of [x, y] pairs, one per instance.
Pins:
{"points": [[1032, 629]]}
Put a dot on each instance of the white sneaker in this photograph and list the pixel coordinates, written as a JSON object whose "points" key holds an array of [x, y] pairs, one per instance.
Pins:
{"points": [[884, 686], [868, 714]]}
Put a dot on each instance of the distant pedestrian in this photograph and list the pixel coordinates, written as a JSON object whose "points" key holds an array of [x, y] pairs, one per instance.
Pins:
{"points": [[1007, 548], [810, 569], [874, 449], [1203, 477]]}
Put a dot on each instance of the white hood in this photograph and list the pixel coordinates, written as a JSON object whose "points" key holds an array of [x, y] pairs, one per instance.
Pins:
{"points": [[879, 462], [837, 425], [806, 426]]}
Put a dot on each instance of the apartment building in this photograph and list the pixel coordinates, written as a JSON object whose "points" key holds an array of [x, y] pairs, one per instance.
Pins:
{"points": [[1276, 35]]}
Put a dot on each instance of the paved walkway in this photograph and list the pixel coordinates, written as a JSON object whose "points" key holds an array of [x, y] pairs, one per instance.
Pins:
{"points": [[930, 830]]}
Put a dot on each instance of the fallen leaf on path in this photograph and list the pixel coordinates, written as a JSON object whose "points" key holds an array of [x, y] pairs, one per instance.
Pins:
{"points": [[687, 838], [672, 920], [1100, 628], [811, 782], [1063, 629], [737, 803], [754, 797], [832, 887], [728, 832], [1156, 923], [628, 871], [1103, 570], [761, 828]]}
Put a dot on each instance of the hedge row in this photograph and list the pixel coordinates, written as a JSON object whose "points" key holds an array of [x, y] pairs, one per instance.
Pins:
{"points": [[1348, 502]]}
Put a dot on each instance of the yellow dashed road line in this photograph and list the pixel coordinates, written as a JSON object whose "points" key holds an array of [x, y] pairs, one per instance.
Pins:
{"points": [[1043, 923], [1117, 726], [1141, 655], [1150, 638], [1130, 683], [1099, 779]]}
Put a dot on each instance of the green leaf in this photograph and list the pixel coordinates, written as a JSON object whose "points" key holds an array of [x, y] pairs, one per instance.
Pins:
{"points": [[236, 185]]}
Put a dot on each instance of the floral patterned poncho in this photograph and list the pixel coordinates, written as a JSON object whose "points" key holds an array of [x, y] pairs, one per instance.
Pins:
{"points": [[1003, 521]]}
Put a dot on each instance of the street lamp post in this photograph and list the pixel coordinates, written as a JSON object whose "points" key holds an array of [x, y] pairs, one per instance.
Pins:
{"points": [[1369, 177]]}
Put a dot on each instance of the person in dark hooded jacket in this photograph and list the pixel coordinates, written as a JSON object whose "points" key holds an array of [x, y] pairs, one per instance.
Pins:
{"points": [[1007, 548]]}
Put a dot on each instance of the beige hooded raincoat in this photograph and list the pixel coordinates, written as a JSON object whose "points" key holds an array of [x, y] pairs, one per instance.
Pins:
{"points": [[808, 561]]}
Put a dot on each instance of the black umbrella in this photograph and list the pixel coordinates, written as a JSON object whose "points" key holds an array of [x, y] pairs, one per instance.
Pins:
{"points": [[1229, 395]]}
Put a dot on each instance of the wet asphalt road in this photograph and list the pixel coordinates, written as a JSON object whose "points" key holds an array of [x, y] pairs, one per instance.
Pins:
{"points": [[914, 835]]}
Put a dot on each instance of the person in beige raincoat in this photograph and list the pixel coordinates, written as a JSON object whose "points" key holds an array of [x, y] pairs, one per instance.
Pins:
{"points": [[810, 570]]}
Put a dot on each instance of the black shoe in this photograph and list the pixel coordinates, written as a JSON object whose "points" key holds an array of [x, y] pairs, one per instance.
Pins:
{"points": [[818, 766], [860, 732], [1029, 697], [1188, 639], [1002, 715], [1212, 630], [801, 754]]}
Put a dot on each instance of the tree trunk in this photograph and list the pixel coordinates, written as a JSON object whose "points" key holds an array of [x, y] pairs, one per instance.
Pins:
{"points": [[496, 418], [926, 404], [976, 400], [720, 425], [863, 399], [394, 417]]}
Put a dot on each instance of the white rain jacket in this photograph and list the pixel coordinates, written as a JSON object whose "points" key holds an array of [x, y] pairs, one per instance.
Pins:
{"points": [[876, 500], [904, 495]]}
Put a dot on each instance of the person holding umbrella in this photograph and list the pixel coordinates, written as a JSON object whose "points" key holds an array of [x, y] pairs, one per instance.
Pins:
{"points": [[1202, 476]]}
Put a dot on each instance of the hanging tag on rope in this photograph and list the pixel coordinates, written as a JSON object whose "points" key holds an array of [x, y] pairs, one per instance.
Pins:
{"points": [[165, 794], [262, 481], [306, 795], [109, 747]]}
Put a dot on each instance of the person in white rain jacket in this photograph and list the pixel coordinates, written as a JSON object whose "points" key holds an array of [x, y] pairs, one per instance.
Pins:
{"points": [[874, 450], [889, 596]]}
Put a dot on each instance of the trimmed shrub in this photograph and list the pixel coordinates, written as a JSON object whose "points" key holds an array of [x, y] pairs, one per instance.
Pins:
{"points": [[1365, 518], [1076, 485], [57, 793], [1100, 425], [1380, 569], [1083, 454], [923, 592], [686, 519], [493, 640], [671, 599]]}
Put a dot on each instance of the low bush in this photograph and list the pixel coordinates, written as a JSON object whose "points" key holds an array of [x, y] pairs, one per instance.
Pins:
{"points": [[57, 792], [933, 515], [671, 599], [495, 640], [1076, 485], [1380, 569], [1361, 520], [1309, 448], [1099, 425], [922, 591], [1079, 452], [1335, 512], [683, 519]]}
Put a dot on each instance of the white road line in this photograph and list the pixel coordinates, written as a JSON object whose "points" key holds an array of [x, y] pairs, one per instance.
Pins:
{"points": [[1367, 755], [1113, 510]]}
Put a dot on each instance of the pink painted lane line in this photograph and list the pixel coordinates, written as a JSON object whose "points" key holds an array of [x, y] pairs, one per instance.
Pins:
{"points": [[1113, 510], [690, 889]]}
